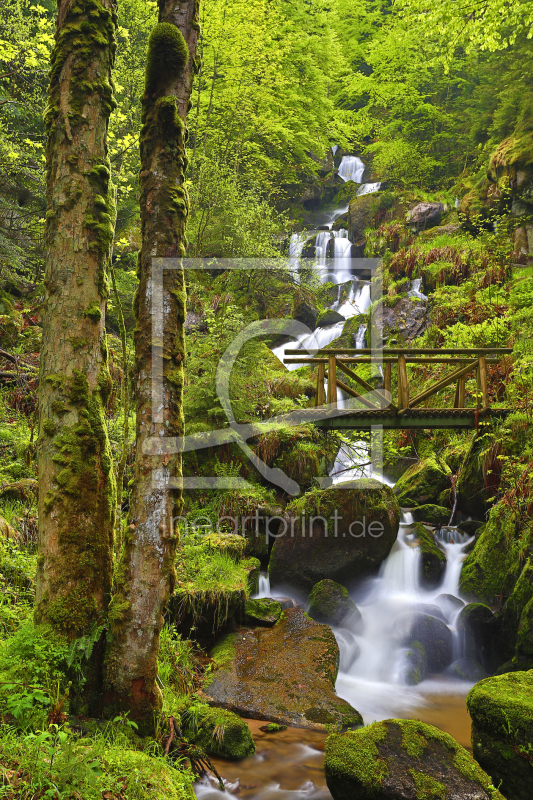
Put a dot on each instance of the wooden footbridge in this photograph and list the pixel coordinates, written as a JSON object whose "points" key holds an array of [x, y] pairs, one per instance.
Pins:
{"points": [[376, 406]]}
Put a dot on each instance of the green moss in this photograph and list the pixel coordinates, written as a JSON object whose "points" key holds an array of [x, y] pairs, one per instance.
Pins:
{"points": [[422, 483], [263, 611], [167, 55], [273, 727], [78, 342], [220, 733], [427, 788], [57, 380], [503, 706], [48, 427], [93, 311], [354, 755], [223, 652], [330, 602]]}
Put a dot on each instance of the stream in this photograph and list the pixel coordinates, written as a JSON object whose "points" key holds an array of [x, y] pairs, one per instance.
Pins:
{"points": [[288, 765]]}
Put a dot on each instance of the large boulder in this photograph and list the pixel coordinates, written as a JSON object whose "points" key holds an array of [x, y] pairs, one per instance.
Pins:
{"points": [[515, 628], [477, 627], [406, 319], [329, 602], [432, 514], [328, 317], [424, 215], [403, 759], [502, 731], [285, 674], [423, 483], [342, 533], [432, 633]]}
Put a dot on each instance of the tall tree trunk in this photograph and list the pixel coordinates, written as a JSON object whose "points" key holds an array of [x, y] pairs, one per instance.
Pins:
{"points": [[76, 480], [146, 575]]}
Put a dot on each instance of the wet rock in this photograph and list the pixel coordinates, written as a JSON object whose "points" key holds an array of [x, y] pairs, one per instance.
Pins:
{"points": [[470, 526], [450, 604], [328, 317], [253, 569], [24, 489], [307, 314], [478, 627], [425, 215], [432, 610], [432, 560], [471, 490], [342, 533], [433, 634], [406, 320], [403, 760], [219, 733], [502, 730], [416, 664], [285, 602], [432, 514], [262, 611], [350, 650], [467, 669], [329, 602], [285, 674], [422, 483]]}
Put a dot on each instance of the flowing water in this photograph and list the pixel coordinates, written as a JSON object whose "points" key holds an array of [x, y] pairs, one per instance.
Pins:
{"points": [[288, 765]]}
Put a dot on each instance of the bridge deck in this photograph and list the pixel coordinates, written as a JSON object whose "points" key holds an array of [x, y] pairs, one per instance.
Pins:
{"points": [[412, 419]]}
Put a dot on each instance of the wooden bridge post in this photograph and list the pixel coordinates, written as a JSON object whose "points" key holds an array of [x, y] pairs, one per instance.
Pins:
{"points": [[332, 381], [320, 385], [478, 381], [403, 386], [483, 381], [460, 393], [387, 377]]}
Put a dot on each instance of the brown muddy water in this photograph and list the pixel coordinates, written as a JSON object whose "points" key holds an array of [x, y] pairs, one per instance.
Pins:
{"points": [[289, 765]]}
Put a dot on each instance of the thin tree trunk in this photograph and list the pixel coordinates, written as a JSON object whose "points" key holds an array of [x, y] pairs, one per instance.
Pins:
{"points": [[76, 479], [146, 575]]}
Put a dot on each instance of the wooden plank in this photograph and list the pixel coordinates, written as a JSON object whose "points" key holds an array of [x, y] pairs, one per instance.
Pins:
{"points": [[419, 350], [442, 384], [403, 384], [484, 381], [386, 360], [461, 385], [355, 377]]}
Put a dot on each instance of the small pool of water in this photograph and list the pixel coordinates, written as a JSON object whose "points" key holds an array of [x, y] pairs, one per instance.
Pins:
{"points": [[289, 765]]}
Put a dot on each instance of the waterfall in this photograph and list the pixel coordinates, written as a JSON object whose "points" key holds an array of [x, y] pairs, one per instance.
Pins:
{"points": [[372, 675], [351, 169], [369, 188], [414, 289]]}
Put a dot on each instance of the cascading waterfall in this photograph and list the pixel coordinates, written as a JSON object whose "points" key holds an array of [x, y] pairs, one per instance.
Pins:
{"points": [[351, 169], [414, 289], [373, 666]]}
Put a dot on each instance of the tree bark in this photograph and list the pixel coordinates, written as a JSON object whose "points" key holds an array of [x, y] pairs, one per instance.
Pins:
{"points": [[146, 575], [76, 480]]}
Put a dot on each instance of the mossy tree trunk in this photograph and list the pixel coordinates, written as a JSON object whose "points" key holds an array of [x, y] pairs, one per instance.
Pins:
{"points": [[76, 481], [146, 574]]}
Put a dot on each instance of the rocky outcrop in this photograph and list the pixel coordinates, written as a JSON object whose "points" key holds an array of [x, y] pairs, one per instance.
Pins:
{"points": [[329, 602], [502, 731], [285, 674], [423, 483], [342, 533], [403, 760], [433, 515], [471, 491], [432, 634], [425, 215], [406, 320], [328, 317]]}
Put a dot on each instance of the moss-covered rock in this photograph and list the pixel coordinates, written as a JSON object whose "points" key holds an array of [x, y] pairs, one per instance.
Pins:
{"points": [[502, 731], [514, 628], [342, 533], [492, 568], [25, 489], [467, 669], [416, 664], [432, 514], [285, 674], [262, 611], [432, 558], [221, 733], [328, 317], [330, 602], [450, 604], [471, 491], [423, 483], [478, 628], [433, 634], [403, 760], [253, 570]]}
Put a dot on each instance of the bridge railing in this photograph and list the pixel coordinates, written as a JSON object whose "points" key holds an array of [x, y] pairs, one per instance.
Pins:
{"points": [[466, 361]]}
